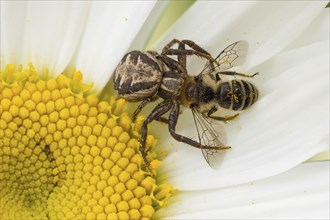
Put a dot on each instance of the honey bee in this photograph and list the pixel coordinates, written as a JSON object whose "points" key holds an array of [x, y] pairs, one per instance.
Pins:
{"points": [[147, 76]]}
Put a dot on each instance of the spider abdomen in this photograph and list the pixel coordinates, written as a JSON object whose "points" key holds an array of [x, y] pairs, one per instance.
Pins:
{"points": [[138, 76]]}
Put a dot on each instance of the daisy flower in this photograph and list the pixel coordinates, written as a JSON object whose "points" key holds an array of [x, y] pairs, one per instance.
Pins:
{"points": [[69, 149]]}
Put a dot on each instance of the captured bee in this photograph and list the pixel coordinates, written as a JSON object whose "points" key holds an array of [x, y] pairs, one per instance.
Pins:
{"points": [[147, 76]]}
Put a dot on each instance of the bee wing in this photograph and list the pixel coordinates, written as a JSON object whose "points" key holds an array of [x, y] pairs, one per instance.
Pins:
{"points": [[233, 55], [209, 137]]}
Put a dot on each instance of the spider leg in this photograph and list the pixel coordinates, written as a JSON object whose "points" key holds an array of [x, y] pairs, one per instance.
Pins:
{"points": [[142, 105], [156, 113], [189, 53], [182, 59], [162, 119], [172, 122], [196, 49], [182, 52], [170, 44], [174, 65]]}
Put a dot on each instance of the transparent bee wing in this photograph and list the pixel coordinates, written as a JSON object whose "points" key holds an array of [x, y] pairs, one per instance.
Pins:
{"points": [[233, 55], [213, 150]]}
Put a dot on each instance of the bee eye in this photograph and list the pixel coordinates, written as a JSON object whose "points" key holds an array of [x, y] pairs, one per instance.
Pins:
{"points": [[191, 92]]}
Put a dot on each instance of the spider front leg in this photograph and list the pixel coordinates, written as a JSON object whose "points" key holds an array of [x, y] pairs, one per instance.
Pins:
{"points": [[182, 59], [174, 65], [188, 52], [142, 105], [182, 52], [172, 122], [170, 44], [156, 113], [163, 120]]}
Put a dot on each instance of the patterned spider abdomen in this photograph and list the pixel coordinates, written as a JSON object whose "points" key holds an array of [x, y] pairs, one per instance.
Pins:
{"points": [[138, 75]]}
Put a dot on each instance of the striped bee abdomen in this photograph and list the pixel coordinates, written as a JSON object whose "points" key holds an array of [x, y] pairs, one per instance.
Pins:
{"points": [[236, 94]]}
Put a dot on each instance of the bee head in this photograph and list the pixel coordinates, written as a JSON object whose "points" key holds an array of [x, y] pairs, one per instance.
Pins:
{"points": [[191, 92]]}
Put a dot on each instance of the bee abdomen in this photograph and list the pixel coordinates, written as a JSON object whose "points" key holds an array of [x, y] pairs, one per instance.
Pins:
{"points": [[237, 95], [138, 76], [251, 94]]}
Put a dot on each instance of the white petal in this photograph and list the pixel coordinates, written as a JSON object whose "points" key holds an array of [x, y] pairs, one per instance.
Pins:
{"points": [[145, 33], [268, 26], [301, 193], [110, 29], [289, 124], [322, 156], [46, 33], [254, 156], [317, 31]]}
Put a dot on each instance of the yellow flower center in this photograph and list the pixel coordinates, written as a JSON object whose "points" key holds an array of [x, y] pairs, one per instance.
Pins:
{"points": [[66, 155]]}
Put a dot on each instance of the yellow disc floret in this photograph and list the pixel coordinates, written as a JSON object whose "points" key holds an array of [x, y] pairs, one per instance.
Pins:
{"points": [[66, 155]]}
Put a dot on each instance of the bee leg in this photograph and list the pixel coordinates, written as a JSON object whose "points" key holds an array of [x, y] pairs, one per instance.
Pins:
{"points": [[212, 110], [142, 105], [232, 73], [224, 119], [156, 113]]}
